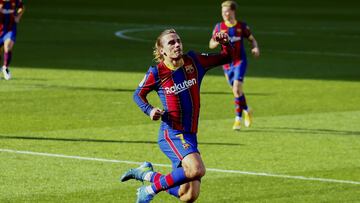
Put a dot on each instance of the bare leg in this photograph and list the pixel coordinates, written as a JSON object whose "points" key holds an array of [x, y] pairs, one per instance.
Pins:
{"points": [[8, 46], [237, 88], [194, 169]]}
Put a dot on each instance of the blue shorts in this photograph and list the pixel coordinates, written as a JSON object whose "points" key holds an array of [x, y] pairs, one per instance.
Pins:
{"points": [[236, 72], [176, 144], [10, 34]]}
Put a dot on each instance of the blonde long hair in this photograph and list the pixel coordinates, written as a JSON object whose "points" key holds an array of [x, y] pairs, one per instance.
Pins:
{"points": [[232, 4], [158, 57]]}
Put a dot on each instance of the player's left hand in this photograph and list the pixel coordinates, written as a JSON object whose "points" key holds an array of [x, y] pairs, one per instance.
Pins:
{"points": [[221, 37], [256, 52], [156, 114]]}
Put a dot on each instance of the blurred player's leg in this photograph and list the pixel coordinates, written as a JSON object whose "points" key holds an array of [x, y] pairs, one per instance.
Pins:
{"points": [[239, 103], [238, 113], [8, 45], [248, 114], [240, 99]]}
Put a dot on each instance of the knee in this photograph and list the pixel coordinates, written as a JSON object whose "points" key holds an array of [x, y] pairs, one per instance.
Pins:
{"points": [[195, 172], [237, 92], [8, 45], [193, 166]]}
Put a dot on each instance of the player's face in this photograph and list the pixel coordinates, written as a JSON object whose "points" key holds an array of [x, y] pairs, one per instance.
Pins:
{"points": [[227, 14], [171, 46]]}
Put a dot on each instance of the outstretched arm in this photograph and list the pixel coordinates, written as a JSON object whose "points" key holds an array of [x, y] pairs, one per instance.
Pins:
{"points": [[224, 57], [213, 43], [19, 11]]}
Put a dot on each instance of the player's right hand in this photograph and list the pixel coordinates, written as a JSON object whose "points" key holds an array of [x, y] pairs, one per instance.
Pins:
{"points": [[256, 52], [156, 113], [221, 37]]}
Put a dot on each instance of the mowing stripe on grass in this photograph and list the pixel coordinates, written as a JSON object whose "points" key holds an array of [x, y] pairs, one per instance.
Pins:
{"points": [[123, 35], [169, 166], [147, 27]]}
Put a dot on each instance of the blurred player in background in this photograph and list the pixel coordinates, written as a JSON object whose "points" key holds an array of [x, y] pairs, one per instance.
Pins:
{"points": [[176, 79], [235, 71], [10, 15]]}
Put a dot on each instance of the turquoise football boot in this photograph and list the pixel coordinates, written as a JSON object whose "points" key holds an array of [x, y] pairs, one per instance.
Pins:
{"points": [[143, 196], [137, 173]]}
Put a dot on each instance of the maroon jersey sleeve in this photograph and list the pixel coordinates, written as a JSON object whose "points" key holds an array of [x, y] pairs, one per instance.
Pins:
{"points": [[246, 30], [212, 60], [19, 7], [216, 29]]}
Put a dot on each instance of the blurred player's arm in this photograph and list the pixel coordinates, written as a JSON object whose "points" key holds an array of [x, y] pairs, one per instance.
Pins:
{"points": [[147, 85], [213, 44], [255, 47], [19, 11]]}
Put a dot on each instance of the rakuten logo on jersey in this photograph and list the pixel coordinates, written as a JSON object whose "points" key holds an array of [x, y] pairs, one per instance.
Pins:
{"points": [[177, 88]]}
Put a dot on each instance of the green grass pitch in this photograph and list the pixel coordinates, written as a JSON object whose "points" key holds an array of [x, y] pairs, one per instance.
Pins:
{"points": [[71, 96]]}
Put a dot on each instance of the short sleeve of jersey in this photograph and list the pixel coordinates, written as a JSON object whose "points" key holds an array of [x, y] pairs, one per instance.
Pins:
{"points": [[246, 30], [19, 7], [216, 29], [19, 4]]}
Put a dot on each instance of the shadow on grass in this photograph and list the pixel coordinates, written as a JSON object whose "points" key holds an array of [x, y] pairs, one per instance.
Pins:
{"points": [[30, 79], [103, 141], [303, 130], [107, 89], [101, 89], [230, 93]]}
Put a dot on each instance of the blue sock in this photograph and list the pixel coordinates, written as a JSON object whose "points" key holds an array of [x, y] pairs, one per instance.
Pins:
{"points": [[243, 102], [174, 191], [238, 109]]}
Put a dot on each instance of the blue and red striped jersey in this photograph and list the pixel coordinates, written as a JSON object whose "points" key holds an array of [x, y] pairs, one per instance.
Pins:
{"points": [[8, 10], [236, 33], [179, 90]]}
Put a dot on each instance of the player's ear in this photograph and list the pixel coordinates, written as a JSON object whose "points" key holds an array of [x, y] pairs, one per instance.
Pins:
{"points": [[162, 52]]}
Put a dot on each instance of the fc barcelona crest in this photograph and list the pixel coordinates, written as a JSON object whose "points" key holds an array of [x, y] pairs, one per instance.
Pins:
{"points": [[189, 69]]}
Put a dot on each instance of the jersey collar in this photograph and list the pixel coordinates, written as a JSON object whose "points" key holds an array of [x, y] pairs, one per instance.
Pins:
{"points": [[228, 24], [171, 66]]}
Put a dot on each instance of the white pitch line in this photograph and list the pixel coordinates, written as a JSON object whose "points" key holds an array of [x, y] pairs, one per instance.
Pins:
{"points": [[124, 34], [168, 166]]}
